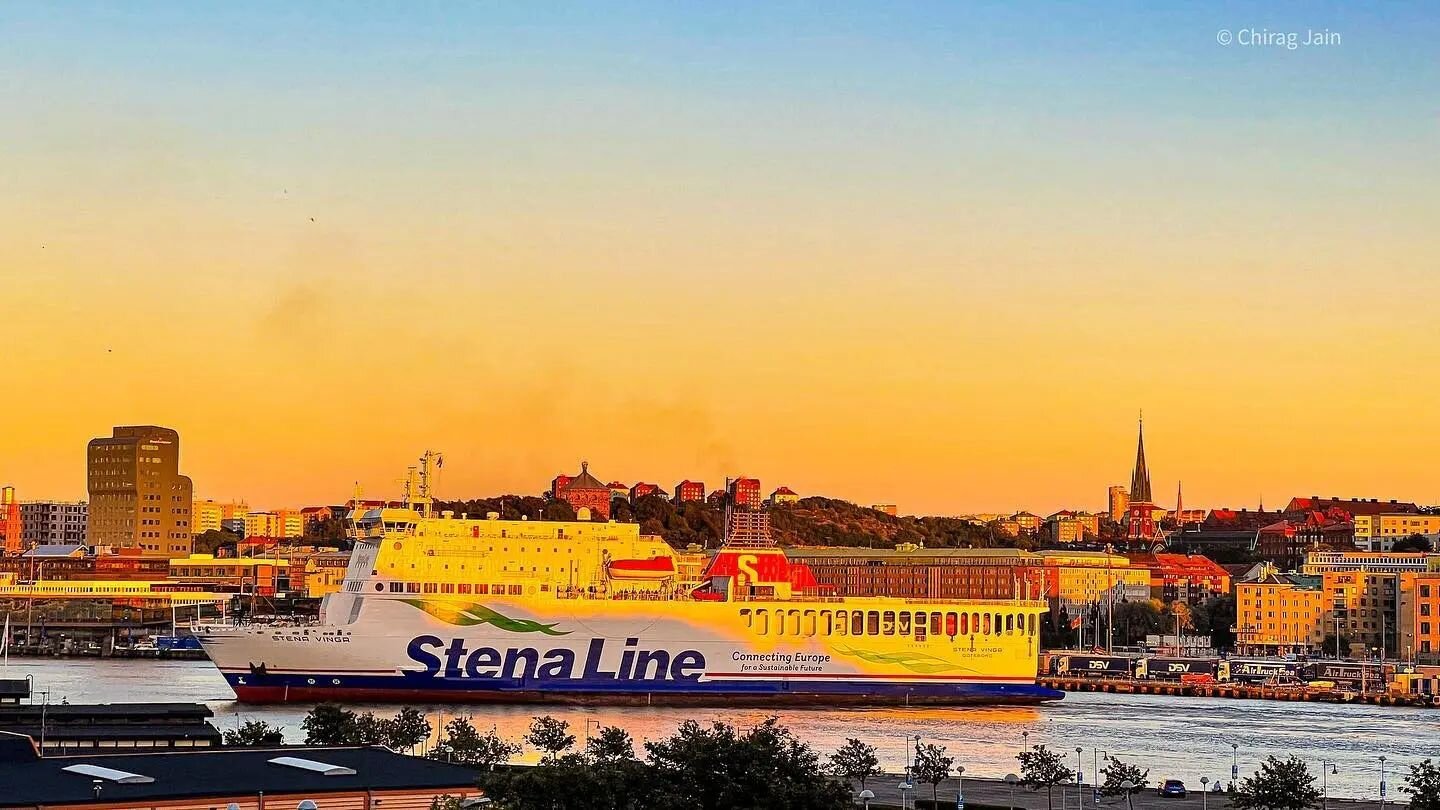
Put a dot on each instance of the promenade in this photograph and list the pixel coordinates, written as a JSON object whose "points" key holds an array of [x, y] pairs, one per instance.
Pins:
{"points": [[990, 793]]}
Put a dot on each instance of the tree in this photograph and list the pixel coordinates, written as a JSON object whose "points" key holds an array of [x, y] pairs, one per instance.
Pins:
{"points": [[407, 729], [610, 744], [1423, 785], [1041, 767], [445, 802], [211, 540], [466, 746], [1117, 772], [1415, 542], [855, 762], [328, 724], [1279, 785], [932, 767], [550, 735], [255, 733]]}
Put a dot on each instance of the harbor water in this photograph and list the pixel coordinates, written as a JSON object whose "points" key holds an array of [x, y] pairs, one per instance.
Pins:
{"points": [[1175, 737]]}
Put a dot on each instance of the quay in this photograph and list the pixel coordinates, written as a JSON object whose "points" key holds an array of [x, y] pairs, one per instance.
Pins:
{"points": [[1238, 691], [993, 794]]}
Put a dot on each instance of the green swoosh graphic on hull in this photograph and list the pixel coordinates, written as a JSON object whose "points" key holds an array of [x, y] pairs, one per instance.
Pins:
{"points": [[915, 662], [475, 613]]}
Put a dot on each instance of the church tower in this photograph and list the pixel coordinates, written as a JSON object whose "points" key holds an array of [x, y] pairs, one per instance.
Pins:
{"points": [[1141, 515]]}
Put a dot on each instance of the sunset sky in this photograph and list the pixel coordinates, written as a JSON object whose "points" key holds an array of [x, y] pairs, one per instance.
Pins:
{"points": [[932, 254]]}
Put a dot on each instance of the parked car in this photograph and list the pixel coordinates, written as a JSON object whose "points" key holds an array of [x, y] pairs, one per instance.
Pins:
{"points": [[1173, 788]]}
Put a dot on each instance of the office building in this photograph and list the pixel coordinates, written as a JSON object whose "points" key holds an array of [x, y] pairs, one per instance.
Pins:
{"points": [[138, 498], [211, 515]]}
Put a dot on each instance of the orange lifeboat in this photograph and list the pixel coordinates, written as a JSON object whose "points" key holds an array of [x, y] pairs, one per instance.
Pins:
{"points": [[655, 568]]}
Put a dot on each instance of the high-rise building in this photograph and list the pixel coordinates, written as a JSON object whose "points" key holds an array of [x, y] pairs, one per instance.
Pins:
{"points": [[53, 523], [11, 527], [138, 498], [1119, 502], [275, 524]]}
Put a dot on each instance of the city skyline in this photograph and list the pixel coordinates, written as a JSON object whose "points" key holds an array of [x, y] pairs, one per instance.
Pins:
{"points": [[928, 255]]}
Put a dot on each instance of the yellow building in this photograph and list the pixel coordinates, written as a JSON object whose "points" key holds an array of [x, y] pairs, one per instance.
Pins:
{"points": [[1079, 578], [324, 572], [1379, 532], [279, 523], [1072, 527], [232, 574], [1280, 614], [1118, 499], [1364, 605], [210, 515], [1029, 523]]}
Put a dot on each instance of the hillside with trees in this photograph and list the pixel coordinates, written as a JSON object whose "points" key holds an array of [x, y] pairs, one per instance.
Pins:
{"points": [[813, 521]]}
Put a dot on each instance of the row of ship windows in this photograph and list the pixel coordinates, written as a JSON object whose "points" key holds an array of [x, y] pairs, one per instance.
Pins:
{"points": [[456, 587], [918, 625]]}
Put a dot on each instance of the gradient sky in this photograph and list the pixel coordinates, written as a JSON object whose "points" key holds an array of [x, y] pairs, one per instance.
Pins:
{"points": [[934, 254]]}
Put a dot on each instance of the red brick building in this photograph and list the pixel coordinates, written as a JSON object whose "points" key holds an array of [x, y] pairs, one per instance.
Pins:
{"points": [[745, 493], [642, 489], [585, 491], [558, 484], [688, 490], [1187, 578], [10, 526]]}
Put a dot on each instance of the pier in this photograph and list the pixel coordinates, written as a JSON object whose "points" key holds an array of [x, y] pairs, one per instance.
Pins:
{"points": [[1237, 691]]}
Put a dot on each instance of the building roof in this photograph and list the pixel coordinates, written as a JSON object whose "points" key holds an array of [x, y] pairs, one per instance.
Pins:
{"points": [[56, 550], [1140, 478], [214, 773], [585, 480], [783, 491], [1354, 506]]}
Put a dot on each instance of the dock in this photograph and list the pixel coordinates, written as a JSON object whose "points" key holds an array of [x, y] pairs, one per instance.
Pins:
{"points": [[1238, 691]]}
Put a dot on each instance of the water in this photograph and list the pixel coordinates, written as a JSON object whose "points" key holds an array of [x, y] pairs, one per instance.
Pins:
{"points": [[1183, 738]]}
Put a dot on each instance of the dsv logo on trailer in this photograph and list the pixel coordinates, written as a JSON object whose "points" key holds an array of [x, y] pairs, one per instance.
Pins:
{"points": [[455, 660]]}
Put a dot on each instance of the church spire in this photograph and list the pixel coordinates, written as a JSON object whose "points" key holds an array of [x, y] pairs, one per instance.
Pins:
{"points": [[1140, 480]]}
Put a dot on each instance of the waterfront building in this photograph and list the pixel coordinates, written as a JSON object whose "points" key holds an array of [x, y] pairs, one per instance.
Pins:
{"points": [[1419, 619], [1118, 500], [71, 728], [911, 572], [1140, 521], [745, 493], [1077, 579], [1378, 532], [53, 522], [60, 615], [12, 530], [262, 576], [687, 491], [584, 491], [1189, 578], [213, 516], [1280, 614], [784, 495], [1364, 606], [355, 778], [125, 565], [324, 572], [137, 495]]}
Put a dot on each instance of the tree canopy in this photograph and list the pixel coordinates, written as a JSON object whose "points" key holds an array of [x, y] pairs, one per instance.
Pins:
{"points": [[1279, 784], [255, 733], [1423, 786], [1041, 767]]}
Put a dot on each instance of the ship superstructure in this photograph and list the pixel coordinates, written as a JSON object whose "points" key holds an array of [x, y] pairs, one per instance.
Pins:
{"points": [[459, 608]]}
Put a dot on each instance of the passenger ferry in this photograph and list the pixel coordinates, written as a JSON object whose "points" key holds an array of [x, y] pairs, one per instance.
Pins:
{"points": [[462, 609]]}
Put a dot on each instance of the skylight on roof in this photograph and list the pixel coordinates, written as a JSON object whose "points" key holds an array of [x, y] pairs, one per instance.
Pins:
{"points": [[322, 768], [110, 774]]}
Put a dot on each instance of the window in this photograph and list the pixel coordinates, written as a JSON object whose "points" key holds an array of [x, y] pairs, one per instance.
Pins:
{"points": [[857, 623], [809, 623], [872, 624], [952, 624], [827, 623], [904, 623], [762, 622], [964, 624], [747, 617], [920, 626], [794, 623], [842, 623]]}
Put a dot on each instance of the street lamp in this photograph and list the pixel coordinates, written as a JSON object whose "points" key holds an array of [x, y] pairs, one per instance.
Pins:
{"points": [[1095, 756], [865, 796], [1326, 768], [1064, 783], [1204, 789], [1079, 771], [905, 787], [1234, 763], [960, 788], [1382, 782], [1011, 779]]}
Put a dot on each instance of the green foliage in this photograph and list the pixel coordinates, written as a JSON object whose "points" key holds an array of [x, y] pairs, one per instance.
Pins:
{"points": [[855, 762], [1279, 785], [464, 745], [610, 744], [1117, 772], [407, 729], [1219, 620], [255, 733], [210, 541], [329, 724], [1423, 786], [932, 767], [550, 735], [445, 802], [1415, 542], [329, 530], [1135, 620], [1041, 767]]}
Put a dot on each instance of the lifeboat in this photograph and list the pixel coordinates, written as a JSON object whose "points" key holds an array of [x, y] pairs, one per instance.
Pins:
{"points": [[655, 568]]}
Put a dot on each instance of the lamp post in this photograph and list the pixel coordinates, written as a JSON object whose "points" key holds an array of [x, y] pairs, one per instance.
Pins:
{"points": [[1326, 768], [1234, 763], [1204, 789], [905, 787], [1011, 779], [1064, 783], [1095, 756], [865, 796], [1382, 782], [960, 788], [1079, 773]]}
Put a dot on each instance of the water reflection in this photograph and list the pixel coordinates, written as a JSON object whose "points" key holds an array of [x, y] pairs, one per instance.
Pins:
{"points": [[1175, 738]]}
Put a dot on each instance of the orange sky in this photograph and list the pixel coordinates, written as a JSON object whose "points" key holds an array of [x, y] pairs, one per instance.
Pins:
{"points": [[895, 284]]}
